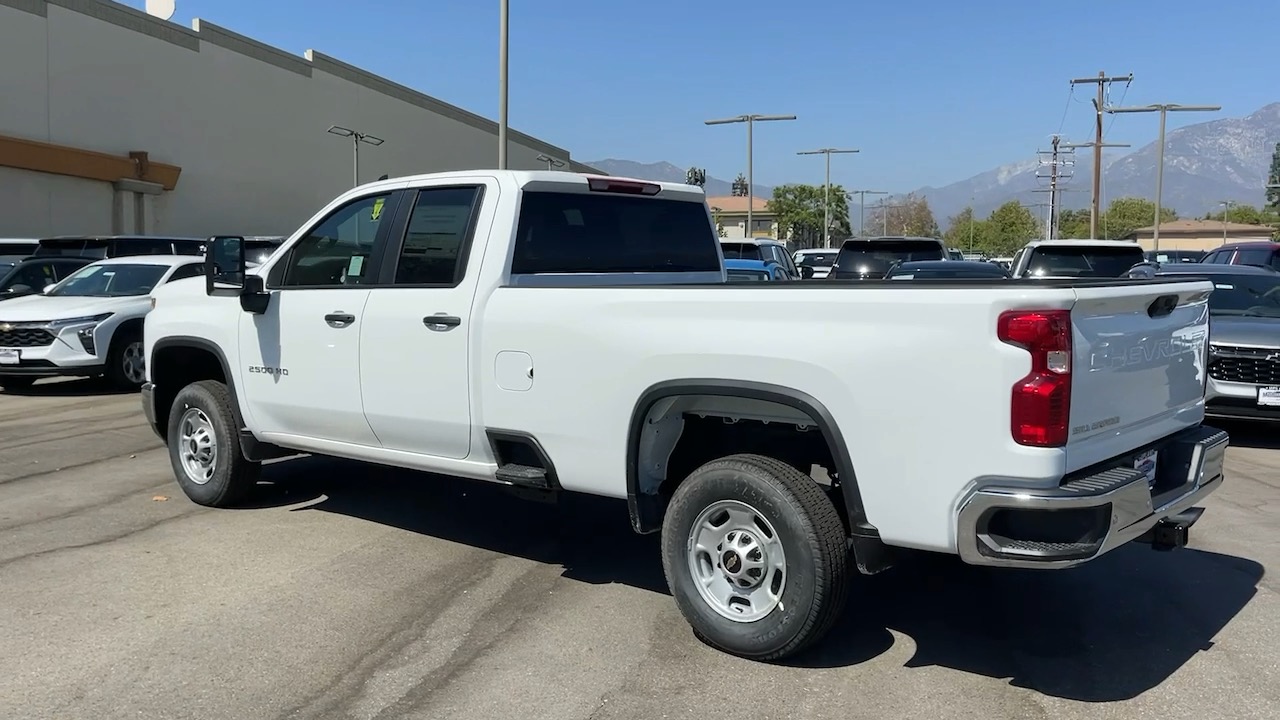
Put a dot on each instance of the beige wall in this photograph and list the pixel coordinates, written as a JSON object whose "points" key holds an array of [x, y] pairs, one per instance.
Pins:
{"points": [[1182, 242], [735, 226], [245, 122]]}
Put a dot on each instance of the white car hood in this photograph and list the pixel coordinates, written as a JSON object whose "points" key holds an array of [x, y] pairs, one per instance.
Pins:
{"points": [[37, 308]]}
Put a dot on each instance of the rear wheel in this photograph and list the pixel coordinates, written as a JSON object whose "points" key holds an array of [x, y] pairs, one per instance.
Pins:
{"points": [[204, 446], [755, 556]]}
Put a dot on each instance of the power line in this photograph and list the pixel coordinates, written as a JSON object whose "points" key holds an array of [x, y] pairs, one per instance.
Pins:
{"points": [[826, 190], [1055, 161], [862, 207], [1102, 81]]}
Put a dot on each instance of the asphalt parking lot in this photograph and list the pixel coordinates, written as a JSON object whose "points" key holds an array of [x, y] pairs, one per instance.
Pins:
{"points": [[355, 592]]}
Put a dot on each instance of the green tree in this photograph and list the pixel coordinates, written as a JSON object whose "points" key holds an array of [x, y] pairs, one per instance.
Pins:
{"points": [[1273, 181], [1011, 226], [1073, 224], [800, 211], [966, 232], [1126, 214], [910, 216]]}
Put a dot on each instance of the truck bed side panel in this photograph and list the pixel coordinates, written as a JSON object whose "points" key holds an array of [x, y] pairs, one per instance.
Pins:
{"points": [[916, 380]]}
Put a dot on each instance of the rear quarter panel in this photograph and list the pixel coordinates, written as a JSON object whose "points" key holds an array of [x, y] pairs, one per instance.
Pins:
{"points": [[914, 377]]}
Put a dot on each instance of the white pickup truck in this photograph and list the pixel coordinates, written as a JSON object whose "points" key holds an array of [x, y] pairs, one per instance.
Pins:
{"points": [[557, 332]]}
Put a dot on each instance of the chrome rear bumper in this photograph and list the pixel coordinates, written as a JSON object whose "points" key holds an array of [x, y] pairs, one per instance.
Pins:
{"points": [[1089, 515]]}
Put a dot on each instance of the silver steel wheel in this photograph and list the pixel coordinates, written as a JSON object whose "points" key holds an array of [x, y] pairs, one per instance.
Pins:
{"points": [[197, 446], [736, 560], [133, 363]]}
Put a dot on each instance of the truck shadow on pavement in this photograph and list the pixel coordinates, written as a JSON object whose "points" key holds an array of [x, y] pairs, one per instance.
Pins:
{"points": [[72, 387], [1262, 435], [1104, 632]]}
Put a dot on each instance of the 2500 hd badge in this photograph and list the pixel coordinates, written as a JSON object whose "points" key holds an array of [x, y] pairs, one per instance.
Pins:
{"points": [[264, 370]]}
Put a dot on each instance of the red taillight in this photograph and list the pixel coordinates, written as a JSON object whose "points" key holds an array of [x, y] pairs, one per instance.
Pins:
{"points": [[1041, 402], [628, 187]]}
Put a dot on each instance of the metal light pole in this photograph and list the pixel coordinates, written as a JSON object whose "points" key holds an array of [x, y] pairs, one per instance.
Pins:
{"points": [[1226, 207], [862, 207], [750, 120], [504, 14], [1164, 109], [826, 190], [356, 138], [550, 161]]}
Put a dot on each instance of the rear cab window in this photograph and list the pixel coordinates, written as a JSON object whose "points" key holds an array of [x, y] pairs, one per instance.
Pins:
{"points": [[741, 251], [585, 232], [1083, 261], [879, 256]]}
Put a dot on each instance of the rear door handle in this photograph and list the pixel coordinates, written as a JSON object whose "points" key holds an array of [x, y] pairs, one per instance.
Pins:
{"points": [[441, 321], [339, 319]]}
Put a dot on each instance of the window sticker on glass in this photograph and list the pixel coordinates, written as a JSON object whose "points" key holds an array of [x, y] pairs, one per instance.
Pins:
{"points": [[377, 208], [355, 268]]}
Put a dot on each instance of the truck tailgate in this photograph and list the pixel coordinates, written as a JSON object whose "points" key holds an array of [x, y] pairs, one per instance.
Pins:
{"points": [[1138, 366]]}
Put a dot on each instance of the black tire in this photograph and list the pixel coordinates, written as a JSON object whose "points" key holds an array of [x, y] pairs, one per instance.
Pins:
{"points": [[16, 382], [232, 475], [812, 538], [123, 344]]}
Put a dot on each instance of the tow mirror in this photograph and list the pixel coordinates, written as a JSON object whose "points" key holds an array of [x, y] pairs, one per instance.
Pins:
{"points": [[224, 267]]}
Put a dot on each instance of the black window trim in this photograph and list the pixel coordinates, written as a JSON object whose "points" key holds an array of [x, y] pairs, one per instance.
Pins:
{"points": [[393, 204], [400, 232]]}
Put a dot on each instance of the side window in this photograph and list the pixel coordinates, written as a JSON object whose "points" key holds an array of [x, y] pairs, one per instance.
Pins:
{"points": [[34, 276], [1261, 258], [1218, 257], [1275, 260], [139, 246], [338, 251], [437, 239], [187, 271]]}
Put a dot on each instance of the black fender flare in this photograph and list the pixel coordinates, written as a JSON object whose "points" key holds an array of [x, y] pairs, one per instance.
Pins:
{"points": [[645, 518], [252, 448]]}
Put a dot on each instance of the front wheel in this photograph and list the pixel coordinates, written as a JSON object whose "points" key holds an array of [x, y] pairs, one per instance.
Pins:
{"points": [[204, 446], [755, 556], [126, 361]]}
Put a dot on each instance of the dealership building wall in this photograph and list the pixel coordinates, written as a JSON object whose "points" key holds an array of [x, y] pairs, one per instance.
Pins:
{"points": [[114, 121]]}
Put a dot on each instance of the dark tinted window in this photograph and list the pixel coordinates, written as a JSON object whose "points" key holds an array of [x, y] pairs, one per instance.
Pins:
{"points": [[1084, 261], [818, 259], [1245, 295], [994, 271], [878, 256], [73, 246], [187, 247], [435, 245], [187, 271], [1254, 256], [34, 276], [1218, 257], [747, 275], [609, 233], [740, 251]]}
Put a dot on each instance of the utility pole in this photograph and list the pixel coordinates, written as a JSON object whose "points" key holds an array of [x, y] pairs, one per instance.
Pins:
{"points": [[862, 207], [750, 120], [884, 217], [1102, 81], [826, 191], [1054, 177], [1164, 109]]}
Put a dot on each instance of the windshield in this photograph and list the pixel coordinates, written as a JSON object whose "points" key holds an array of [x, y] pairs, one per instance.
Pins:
{"points": [[1083, 261], [817, 259], [740, 251], [1246, 296], [114, 280]]}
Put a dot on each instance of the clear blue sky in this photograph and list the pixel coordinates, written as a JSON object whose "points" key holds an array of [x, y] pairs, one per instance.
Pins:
{"points": [[931, 91]]}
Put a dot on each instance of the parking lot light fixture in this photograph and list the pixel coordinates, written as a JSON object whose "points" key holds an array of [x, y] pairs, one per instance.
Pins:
{"points": [[357, 137], [750, 120]]}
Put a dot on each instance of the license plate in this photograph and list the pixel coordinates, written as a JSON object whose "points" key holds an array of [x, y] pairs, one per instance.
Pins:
{"points": [[1269, 396], [1145, 463], [10, 356]]}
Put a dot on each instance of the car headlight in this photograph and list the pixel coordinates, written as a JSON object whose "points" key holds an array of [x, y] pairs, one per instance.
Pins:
{"points": [[86, 320]]}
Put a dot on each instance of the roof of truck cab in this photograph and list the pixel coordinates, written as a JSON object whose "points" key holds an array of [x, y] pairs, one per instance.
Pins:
{"points": [[1084, 243], [166, 260], [528, 177]]}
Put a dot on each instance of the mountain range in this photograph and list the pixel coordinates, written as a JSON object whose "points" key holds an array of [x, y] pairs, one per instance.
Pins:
{"points": [[1204, 164]]}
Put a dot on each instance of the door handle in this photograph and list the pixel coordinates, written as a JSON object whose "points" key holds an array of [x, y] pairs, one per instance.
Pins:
{"points": [[339, 319], [440, 321]]}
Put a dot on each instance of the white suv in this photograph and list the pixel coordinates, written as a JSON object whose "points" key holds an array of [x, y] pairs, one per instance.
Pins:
{"points": [[89, 324]]}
